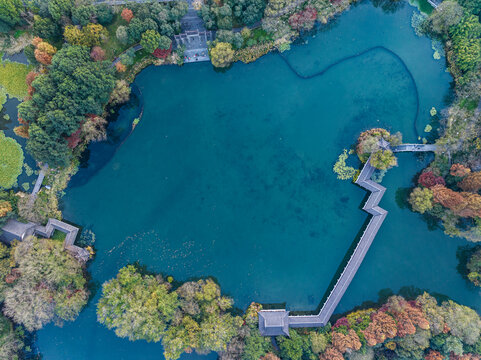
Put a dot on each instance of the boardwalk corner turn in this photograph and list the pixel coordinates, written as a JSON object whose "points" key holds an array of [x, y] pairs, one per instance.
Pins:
{"points": [[277, 322]]}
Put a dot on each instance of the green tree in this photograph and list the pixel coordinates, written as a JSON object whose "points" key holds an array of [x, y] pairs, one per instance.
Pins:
{"points": [[11, 161], [73, 87], [293, 347], [51, 284], [10, 11], [150, 40], [474, 267], [104, 14], [142, 316], [59, 8], [222, 55], [421, 199], [165, 42], [256, 345], [467, 43], [11, 340], [45, 28]]}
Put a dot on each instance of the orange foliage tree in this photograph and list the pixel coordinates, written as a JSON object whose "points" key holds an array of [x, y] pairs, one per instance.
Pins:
{"points": [[434, 355], [43, 51], [127, 14], [448, 198], [382, 327], [120, 67], [343, 342], [472, 182], [459, 170], [331, 353], [21, 130], [5, 208]]}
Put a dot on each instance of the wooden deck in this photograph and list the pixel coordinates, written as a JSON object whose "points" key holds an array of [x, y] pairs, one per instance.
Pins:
{"points": [[378, 215]]}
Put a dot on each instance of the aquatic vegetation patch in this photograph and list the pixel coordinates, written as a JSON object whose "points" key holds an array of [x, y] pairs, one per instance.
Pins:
{"points": [[11, 161], [12, 78]]}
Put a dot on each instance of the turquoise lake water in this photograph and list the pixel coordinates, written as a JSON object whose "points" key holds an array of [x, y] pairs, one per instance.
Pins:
{"points": [[230, 175]]}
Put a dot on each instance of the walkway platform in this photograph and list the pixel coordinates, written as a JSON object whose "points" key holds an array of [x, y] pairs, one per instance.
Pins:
{"points": [[275, 322]]}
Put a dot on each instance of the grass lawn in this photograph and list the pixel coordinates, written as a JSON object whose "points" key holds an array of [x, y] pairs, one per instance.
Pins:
{"points": [[113, 47], [58, 235]]}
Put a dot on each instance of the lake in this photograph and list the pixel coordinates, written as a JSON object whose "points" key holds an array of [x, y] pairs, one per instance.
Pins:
{"points": [[229, 174]]}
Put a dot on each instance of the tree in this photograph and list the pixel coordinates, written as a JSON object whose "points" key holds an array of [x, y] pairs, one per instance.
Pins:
{"points": [[137, 27], [428, 179], [137, 306], [127, 15], [446, 15], [150, 40], [256, 346], [462, 321], [122, 35], [303, 20], [474, 267], [344, 342], [83, 14], [165, 42], [292, 347], [11, 340], [472, 182], [104, 14], [120, 94], [11, 161], [383, 159], [73, 86], [59, 8], [222, 55], [421, 200], [51, 284], [97, 53], [10, 11], [467, 43], [459, 170], [45, 28], [94, 129], [120, 67]]}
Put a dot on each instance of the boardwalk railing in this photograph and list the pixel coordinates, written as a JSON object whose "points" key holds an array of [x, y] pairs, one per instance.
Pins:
{"points": [[271, 322]]}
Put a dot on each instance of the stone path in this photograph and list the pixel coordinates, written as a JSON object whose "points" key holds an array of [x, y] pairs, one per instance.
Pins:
{"points": [[277, 322]]}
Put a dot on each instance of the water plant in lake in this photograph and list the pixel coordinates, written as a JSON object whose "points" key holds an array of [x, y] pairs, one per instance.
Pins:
{"points": [[11, 161]]}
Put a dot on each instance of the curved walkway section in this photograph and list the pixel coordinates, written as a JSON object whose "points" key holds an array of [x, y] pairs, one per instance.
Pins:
{"points": [[277, 322]]}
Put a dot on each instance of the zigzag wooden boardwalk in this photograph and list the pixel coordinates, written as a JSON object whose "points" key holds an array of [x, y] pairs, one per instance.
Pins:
{"points": [[277, 322]]}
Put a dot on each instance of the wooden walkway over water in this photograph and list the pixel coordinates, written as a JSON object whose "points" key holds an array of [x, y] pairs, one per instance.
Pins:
{"points": [[277, 322]]}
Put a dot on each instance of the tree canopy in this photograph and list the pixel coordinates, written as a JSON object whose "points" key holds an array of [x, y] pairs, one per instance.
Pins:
{"points": [[73, 87]]}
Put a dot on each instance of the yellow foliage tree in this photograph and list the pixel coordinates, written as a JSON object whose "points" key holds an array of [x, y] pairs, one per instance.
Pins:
{"points": [[222, 55], [5, 208]]}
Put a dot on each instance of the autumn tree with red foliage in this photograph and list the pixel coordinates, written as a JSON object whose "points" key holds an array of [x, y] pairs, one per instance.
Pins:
{"points": [[97, 53], [29, 79], [459, 170], [428, 179], [303, 20], [162, 53], [127, 14]]}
